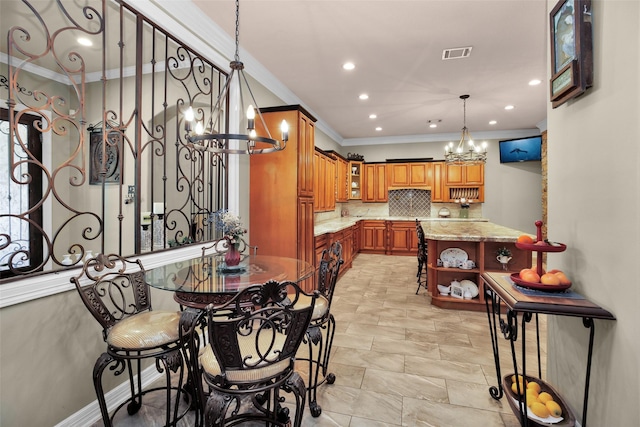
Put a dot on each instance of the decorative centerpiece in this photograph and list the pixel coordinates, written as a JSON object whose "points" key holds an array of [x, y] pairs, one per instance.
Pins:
{"points": [[503, 257], [231, 227]]}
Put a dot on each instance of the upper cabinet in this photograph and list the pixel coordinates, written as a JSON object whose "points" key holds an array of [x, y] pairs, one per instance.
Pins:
{"points": [[457, 175], [355, 180], [374, 182], [437, 183], [324, 179], [342, 180], [464, 181], [414, 175]]}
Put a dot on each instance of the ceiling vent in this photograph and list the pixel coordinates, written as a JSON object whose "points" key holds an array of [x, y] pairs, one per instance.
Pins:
{"points": [[456, 53]]}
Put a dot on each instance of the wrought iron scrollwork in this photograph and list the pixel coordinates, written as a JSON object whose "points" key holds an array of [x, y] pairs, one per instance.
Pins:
{"points": [[87, 85]]}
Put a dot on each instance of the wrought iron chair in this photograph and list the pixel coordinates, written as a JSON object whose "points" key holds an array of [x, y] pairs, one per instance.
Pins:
{"points": [[422, 258], [250, 356], [319, 337], [114, 290]]}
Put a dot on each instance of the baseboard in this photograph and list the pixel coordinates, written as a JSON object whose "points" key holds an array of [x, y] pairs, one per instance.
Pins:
{"points": [[91, 413]]}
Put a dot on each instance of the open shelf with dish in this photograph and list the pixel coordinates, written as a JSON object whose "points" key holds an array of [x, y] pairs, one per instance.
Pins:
{"points": [[482, 255]]}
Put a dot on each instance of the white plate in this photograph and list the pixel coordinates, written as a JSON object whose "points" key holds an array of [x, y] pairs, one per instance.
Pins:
{"points": [[470, 286], [454, 255]]}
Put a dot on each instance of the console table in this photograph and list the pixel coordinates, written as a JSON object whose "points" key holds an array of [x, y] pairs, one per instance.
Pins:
{"points": [[500, 292]]}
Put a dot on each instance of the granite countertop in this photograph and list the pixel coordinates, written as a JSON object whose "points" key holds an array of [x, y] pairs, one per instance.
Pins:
{"points": [[469, 231], [337, 224]]}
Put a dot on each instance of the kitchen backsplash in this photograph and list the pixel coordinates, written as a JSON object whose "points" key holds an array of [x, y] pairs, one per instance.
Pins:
{"points": [[356, 208], [410, 202]]}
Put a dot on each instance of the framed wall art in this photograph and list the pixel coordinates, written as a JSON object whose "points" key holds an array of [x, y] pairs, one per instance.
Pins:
{"points": [[571, 50], [108, 160]]}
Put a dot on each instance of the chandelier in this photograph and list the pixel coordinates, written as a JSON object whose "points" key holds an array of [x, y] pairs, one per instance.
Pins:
{"points": [[209, 139], [467, 152]]}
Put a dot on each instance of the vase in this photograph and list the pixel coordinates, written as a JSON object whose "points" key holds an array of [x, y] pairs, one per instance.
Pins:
{"points": [[232, 256]]}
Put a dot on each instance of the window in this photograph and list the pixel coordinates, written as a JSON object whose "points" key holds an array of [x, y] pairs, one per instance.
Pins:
{"points": [[20, 196]]}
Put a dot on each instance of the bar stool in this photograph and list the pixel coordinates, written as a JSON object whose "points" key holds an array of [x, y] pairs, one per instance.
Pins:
{"points": [[115, 292], [319, 337], [422, 258]]}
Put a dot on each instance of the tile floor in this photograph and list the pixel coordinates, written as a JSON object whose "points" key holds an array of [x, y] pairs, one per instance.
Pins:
{"points": [[400, 361]]}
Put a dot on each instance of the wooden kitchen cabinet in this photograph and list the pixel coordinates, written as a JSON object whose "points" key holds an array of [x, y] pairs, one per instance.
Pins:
{"points": [[414, 175], [464, 181], [403, 239], [355, 180], [483, 253], [324, 178], [281, 189], [374, 182], [342, 179], [464, 175], [374, 237], [437, 182]]}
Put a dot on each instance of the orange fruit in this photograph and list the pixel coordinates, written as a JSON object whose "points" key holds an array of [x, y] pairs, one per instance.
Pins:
{"points": [[554, 271], [550, 279], [531, 277], [524, 238], [523, 271], [564, 280]]}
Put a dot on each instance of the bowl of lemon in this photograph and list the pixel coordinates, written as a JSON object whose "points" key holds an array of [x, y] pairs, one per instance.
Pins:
{"points": [[545, 406]]}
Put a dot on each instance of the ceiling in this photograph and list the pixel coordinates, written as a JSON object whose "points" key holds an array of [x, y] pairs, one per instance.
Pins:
{"points": [[397, 49]]}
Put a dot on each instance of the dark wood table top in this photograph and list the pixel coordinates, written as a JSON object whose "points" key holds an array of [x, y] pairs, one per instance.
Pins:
{"points": [[558, 303]]}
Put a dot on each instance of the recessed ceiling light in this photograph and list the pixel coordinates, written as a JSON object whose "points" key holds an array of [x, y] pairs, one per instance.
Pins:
{"points": [[364, 96], [492, 122], [378, 129], [509, 107], [534, 82], [84, 41], [433, 125], [348, 66], [373, 116]]}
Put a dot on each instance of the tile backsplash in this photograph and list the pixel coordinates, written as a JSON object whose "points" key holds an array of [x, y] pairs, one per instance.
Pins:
{"points": [[410, 202]]}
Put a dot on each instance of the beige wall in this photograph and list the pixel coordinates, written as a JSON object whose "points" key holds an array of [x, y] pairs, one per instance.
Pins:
{"points": [[593, 163]]}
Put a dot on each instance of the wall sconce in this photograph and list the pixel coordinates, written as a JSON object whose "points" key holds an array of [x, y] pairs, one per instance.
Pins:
{"points": [[131, 195]]}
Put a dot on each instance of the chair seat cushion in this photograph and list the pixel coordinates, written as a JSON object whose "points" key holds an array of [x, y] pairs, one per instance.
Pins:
{"points": [[145, 330], [320, 308], [210, 364]]}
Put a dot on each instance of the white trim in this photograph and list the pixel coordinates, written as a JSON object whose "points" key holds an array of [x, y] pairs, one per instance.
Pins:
{"points": [[442, 137], [53, 283]]}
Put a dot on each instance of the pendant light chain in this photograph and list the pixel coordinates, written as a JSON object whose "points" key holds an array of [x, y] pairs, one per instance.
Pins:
{"points": [[237, 57], [216, 142]]}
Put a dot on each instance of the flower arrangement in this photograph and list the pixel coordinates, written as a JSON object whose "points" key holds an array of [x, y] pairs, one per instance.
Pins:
{"points": [[503, 252], [229, 224]]}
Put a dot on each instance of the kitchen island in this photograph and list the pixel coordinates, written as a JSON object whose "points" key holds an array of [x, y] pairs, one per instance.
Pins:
{"points": [[475, 241], [476, 238]]}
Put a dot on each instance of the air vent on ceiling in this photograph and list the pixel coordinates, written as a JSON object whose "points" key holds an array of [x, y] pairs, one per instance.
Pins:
{"points": [[456, 53]]}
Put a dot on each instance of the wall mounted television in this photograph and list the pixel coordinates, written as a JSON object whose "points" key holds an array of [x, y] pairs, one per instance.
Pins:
{"points": [[521, 149]]}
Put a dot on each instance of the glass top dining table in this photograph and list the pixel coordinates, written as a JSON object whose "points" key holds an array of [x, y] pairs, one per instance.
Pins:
{"points": [[200, 281]]}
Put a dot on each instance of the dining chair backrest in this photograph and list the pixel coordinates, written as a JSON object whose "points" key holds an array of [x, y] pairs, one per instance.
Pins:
{"points": [[256, 343], [329, 269], [113, 289]]}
